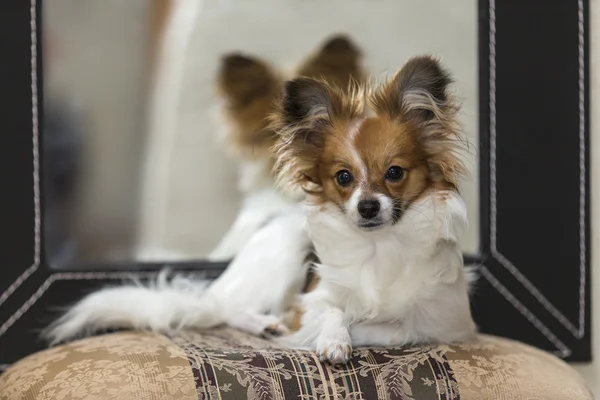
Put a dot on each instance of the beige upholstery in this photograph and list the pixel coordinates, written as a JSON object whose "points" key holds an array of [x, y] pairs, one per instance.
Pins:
{"points": [[226, 364]]}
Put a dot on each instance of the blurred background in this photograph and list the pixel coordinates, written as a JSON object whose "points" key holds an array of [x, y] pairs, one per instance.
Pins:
{"points": [[134, 169]]}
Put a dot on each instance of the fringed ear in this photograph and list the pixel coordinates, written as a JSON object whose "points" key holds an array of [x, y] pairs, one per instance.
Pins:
{"points": [[248, 87], [302, 115], [416, 93], [242, 79], [419, 95], [306, 101]]}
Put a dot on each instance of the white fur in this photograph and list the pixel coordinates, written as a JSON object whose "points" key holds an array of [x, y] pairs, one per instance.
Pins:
{"points": [[258, 208], [357, 159], [351, 206], [261, 204], [387, 207], [401, 284], [260, 283]]}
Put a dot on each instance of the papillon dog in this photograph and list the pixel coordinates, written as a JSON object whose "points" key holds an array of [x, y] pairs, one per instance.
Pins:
{"points": [[381, 168]]}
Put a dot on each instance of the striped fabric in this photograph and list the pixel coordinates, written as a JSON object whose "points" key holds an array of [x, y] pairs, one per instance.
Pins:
{"points": [[228, 363]]}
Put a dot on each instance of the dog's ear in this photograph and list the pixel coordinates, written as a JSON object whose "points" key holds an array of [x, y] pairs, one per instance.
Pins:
{"points": [[417, 93], [340, 44], [303, 114], [306, 101], [242, 79], [338, 62]]}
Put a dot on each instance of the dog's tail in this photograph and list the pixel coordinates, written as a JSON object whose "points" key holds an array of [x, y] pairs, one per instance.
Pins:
{"points": [[162, 305]]}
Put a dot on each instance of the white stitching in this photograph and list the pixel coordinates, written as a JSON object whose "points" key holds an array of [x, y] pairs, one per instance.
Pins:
{"points": [[492, 95], [582, 172], [564, 351], [27, 305], [577, 332], [36, 161], [535, 292]]}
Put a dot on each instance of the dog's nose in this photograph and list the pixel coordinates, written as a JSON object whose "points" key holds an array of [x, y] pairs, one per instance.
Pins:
{"points": [[368, 209]]}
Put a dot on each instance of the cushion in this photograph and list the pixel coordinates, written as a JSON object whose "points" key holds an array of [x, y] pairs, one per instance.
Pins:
{"points": [[226, 364]]}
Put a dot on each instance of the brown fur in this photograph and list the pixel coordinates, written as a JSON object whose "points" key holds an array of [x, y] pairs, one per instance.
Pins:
{"points": [[296, 320], [323, 130], [337, 62], [303, 127], [249, 87], [379, 143]]}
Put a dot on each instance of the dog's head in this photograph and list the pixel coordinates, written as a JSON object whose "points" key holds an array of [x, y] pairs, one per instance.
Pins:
{"points": [[370, 152]]}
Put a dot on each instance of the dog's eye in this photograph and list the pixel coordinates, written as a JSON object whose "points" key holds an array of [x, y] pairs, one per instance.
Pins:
{"points": [[394, 173], [343, 178]]}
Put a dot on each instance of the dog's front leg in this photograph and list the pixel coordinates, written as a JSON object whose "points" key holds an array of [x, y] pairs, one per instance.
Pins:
{"points": [[333, 343], [324, 326], [324, 329]]}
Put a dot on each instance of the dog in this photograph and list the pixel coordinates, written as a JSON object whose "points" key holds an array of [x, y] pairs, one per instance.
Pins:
{"points": [[267, 242], [381, 169]]}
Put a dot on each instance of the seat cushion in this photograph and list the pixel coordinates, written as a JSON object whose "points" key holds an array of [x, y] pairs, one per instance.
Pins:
{"points": [[227, 364]]}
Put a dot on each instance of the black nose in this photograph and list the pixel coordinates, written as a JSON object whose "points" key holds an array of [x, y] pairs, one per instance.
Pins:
{"points": [[368, 208]]}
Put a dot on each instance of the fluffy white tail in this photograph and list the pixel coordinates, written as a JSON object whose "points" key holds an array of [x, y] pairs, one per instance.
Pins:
{"points": [[251, 294], [162, 305]]}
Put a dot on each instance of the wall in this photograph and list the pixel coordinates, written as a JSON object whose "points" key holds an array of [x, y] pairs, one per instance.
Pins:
{"points": [[98, 57]]}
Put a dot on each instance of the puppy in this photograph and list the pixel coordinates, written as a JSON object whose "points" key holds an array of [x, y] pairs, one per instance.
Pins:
{"points": [[381, 169]]}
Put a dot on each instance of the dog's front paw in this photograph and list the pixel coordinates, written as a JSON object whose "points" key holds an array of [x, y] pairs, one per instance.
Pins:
{"points": [[335, 348]]}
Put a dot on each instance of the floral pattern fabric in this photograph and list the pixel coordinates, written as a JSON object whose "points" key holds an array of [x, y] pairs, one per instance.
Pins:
{"points": [[140, 366], [226, 364], [493, 368]]}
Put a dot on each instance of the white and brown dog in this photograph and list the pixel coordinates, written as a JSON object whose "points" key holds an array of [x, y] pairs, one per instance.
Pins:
{"points": [[380, 169]]}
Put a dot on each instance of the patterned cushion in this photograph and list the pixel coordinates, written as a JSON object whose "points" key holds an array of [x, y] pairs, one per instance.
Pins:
{"points": [[225, 364]]}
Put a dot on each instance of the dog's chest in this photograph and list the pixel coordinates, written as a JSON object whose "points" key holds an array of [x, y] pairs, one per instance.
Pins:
{"points": [[376, 275], [375, 280]]}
